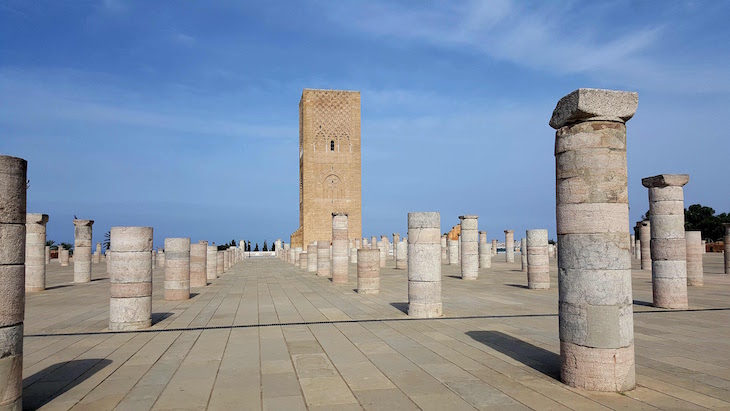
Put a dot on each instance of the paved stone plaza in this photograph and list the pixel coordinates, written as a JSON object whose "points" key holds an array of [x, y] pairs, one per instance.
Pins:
{"points": [[267, 335]]}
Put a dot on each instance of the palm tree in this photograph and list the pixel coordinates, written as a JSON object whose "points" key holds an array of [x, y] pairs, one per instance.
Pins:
{"points": [[107, 240], [51, 243]]}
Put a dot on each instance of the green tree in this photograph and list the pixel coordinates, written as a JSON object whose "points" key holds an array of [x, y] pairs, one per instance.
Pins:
{"points": [[273, 246], [266, 248], [257, 247], [233, 243], [107, 244], [703, 218], [67, 246], [51, 243]]}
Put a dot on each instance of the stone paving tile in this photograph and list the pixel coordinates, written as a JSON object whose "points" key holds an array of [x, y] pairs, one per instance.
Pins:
{"points": [[269, 336]]}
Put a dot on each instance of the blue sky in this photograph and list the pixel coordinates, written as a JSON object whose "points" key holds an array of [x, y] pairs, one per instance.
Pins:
{"points": [[183, 115]]}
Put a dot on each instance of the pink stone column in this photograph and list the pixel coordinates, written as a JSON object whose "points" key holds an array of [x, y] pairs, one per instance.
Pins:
{"points": [[82, 250], [177, 269], [402, 262], [220, 261], [424, 265], [509, 246], [645, 238], [538, 261], [13, 172], [211, 258], [160, 258], [485, 251], [668, 248], [312, 257], [130, 277], [35, 252], [199, 264], [340, 260], [494, 247], [695, 271], [303, 260], [726, 252], [324, 266], [396, 240], [63, 257], [523, 253], [592, 215], [368, 271], [382, 247], [469, 247]]}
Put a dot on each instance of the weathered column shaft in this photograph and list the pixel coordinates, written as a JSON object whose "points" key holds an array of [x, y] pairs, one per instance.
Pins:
{"points": [[469, 247], [668, 248], [160, 259], [339, 248], [47, 254], [396, 240], [494, 246], [485, 251], [401, 263], [177, 269], [695, 271], [382, 247], [509, 246], [303, 260], [324, 268], [96, 257], [726, 251], [211, 259], [523, 253], [130, 277], [424, 265], [13, 179], [538, 261], [645, 238], [220, 262], [594, 266], [312, 258], [453, 246], [199, 264], [35, 252], [444, 250], [82, 250], [368, 271], [64, 256], [632, 243]]}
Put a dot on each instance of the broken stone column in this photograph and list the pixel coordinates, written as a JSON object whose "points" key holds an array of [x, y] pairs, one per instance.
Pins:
{"points": [[47, 254], [303, 260], [444, 250], [396, 240], [381, 247], [453, 246], [523, 253], [538, 261], [177, 269], [324, 268], [220, 262], [82, 250], [368, 271], [645, 237], [494, 247], [13, 180], [35, 252], [63, 256], [424, 265], [96, 257], [592, 215], [726, 252], [695, 271], [509, 246], [485, 251], [469, 247], [668, 248], [339, 248], [373, 242], [401, 263], [312, 257], [198, 264], [160, 258], [130, 276], [211, 258]]}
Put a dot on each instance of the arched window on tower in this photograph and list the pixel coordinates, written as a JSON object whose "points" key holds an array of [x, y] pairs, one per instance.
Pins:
{"points": [[332, 145]]}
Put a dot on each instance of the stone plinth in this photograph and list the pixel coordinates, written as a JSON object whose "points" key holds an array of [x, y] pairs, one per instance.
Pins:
{"points": [[96, 257], [13, 180], [211, 262], [509, 246], [82, 250], [35, 252], [523, 253], [220, 261], [485, 251], [695, 272], [401, 263], [199, 264], [469, 247], [453, 251], [368, 271], [303, 260], [177, 269], [645, 238], [130, 276], [340, 259], [424, 265], [668, 248], [538, 261], [63, 257], [592, 215], [312, 258], [324, 268]]}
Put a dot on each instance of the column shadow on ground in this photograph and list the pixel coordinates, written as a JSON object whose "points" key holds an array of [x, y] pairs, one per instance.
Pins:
{"points": [[401, 306], [539, 359], [159, 317], [644, 303], [51, 382]]}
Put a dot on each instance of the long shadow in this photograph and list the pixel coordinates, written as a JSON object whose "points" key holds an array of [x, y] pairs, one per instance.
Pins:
{"points": [[42, 387], [159, 317], [644, 303], [99, 279], [458, 277], [517, 286], [401, 306], [537, 358], [58, 286]]}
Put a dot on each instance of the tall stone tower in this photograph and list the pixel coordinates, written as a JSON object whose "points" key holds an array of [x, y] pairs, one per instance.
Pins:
{"points": [[329, 164]]}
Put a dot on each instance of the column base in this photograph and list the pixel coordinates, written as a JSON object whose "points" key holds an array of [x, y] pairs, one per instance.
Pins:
{"points": [[597, 369], [133, 326], [432, 310]]}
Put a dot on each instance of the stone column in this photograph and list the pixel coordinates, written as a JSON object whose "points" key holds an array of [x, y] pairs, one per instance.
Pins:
{"points": [[402, 262], [668, 248], [35, 250], [373, 242], [153, 253], [82, 250], [198, 264], [368, 271], [424, 265], [13, 172], [695, 271], [353, 255], [538, 261], [130, 276], [339, 248], [494, 247], [303, 260], [645, 238], [551, 250], [226, 259], [637, 250], [312, 257], [396, 240], [323, 259], [592, 215], [63, 256], [632, 243], [211, 258], [220, 262], [365, 244], [704, 246], [523, 253], [485, 251], [383, 254], [469, 247], [509, 246], [726, 251], [453, 246], [458, 242], [177, 269], [47, 254], [96, 257], [160, 258], [292, 255], [444, 250]]}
